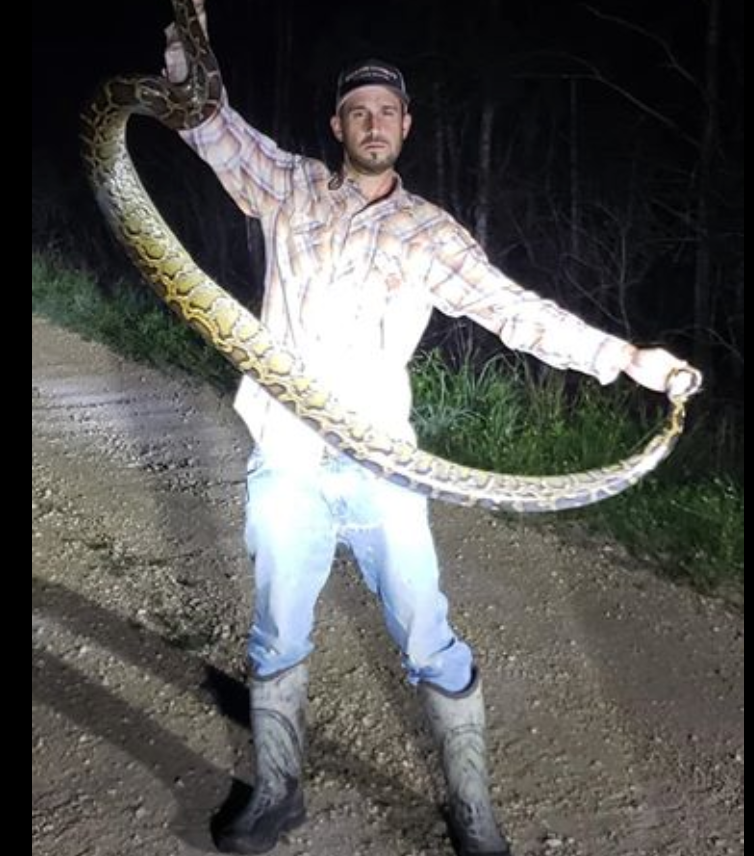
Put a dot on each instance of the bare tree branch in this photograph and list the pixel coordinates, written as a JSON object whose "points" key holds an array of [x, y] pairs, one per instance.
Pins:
{"points": [[673, 61], [594, 73]]}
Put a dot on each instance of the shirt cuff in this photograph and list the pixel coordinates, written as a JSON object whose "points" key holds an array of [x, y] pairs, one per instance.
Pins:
{"points": [[194, 135]]}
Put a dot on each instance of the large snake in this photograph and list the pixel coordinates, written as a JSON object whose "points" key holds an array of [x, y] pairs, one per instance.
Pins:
{"points": [[249, 346]]}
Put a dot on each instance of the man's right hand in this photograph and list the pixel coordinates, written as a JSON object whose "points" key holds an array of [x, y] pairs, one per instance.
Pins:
{"points": [[176, 64]]}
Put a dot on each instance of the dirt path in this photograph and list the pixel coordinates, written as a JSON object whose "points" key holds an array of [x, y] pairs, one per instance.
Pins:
{"points": [[616, 699]]}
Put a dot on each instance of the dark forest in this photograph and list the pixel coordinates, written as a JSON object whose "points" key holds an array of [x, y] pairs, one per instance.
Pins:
{"points": [[595, 150]]}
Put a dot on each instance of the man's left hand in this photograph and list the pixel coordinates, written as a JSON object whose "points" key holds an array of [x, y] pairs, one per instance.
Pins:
{"points": [[658, 370]]}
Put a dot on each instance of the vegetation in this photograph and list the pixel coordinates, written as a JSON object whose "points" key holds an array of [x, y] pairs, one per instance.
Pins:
{"points": [[508, 417], [596, 155], [688, 518], [130, 320]]}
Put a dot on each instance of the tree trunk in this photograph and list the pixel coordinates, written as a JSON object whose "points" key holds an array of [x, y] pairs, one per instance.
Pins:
{"points": [[283, 64], [709, 144], [484, 180], [574, 166], [440, 147]]}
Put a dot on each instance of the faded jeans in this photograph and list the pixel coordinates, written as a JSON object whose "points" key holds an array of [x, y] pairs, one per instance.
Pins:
{"points": [[294, 522]]}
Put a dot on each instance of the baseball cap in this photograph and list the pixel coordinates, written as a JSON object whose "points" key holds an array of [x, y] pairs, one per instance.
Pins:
{"points": [[370, 72]]}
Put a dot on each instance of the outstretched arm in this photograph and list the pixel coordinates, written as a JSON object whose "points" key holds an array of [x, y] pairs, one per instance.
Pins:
{"points": [[463, 282]]}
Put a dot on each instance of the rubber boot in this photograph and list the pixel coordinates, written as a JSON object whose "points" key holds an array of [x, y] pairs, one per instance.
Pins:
{"points": [[457, 723], [278, 709]]}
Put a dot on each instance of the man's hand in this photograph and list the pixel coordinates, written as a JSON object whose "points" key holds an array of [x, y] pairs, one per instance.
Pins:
{"points": [[176, 64], [658, 370]]}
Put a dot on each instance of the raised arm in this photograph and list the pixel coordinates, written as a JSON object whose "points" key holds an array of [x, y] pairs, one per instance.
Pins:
{"points": [[256, 173]]}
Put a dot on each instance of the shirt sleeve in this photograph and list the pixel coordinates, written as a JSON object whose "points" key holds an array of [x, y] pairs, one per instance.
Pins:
{"points": [[256, 173], [463, 282]]}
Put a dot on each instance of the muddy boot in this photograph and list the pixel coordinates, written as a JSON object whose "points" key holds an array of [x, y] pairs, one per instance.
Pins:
{"points": [[278, 706], [458, 726]]}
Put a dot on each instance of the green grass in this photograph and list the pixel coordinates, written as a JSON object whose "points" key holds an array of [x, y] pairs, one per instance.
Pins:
{"points": [[502, 417], [687, 518], [693, 531], [130, 319]]}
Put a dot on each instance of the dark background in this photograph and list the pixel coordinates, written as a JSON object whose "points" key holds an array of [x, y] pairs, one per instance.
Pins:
{"points": [[595, 150]]}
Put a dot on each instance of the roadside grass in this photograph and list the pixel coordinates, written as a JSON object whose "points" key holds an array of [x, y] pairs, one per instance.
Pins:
{"points": [[687, 518], [130, 320]]}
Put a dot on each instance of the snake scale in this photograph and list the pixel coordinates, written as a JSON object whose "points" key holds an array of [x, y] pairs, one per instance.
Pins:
{"points": [[248, 345]]}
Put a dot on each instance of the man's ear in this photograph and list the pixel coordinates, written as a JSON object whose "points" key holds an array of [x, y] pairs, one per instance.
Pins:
{"points": [[406, 125], [337, 127]]}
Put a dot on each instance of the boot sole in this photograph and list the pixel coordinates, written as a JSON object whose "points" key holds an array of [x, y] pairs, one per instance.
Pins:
{"points": [[237, 844]]}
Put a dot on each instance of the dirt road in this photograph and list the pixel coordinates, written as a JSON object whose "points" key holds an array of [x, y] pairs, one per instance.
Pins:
{"points": [[615, 698]]}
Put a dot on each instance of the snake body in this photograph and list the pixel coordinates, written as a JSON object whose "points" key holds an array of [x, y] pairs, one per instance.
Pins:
{"points": [[249, 346]]}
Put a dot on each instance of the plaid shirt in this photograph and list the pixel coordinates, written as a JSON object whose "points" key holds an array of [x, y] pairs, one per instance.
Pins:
{"points": [[351, 285]]}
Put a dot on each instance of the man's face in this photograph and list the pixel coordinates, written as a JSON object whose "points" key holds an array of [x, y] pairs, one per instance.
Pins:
{"points": [[371, 124]]}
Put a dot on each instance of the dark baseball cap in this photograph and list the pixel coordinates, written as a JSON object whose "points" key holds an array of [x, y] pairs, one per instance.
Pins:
{"points": [[370, 72]]}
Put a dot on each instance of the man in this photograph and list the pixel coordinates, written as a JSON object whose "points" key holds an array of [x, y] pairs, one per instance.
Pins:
{"points": [[355, 266]]}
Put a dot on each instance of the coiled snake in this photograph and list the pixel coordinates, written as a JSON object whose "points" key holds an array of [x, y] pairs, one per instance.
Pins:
{"points": [[249, 346]]}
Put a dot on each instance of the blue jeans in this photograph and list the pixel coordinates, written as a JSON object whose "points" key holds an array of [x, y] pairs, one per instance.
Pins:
{"points": [[294, 522]]}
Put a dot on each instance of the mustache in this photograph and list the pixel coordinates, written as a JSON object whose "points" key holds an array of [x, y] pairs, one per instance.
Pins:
{"points": [[374, 138]]}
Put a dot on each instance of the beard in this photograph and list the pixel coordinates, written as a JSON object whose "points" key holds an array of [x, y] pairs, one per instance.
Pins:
{"points": [[372, 162]]}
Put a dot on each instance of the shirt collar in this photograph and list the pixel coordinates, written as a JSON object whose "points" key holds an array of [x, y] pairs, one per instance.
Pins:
{"points": [[341, 183]]}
